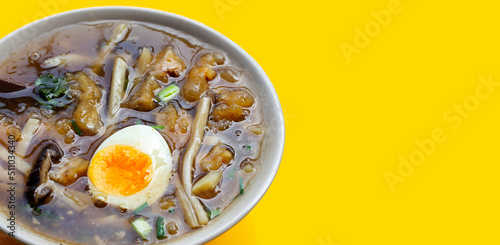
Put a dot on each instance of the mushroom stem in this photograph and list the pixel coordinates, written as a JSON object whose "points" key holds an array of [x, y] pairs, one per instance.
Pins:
{"points": [[117, 86], [20, 164], [197, 132], [118, 35], [4, 177], [144, 60], [189, 213], [27, 134], [64, 59]]}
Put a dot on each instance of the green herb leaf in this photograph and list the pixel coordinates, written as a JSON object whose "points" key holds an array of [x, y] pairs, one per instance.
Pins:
{"points": [[247, 147], [52, 91], [138, 122], [171, 210], [76, 128], [158, 127]]}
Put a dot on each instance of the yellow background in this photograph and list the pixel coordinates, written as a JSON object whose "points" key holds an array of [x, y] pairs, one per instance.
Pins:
{"points": [[348, 122]]}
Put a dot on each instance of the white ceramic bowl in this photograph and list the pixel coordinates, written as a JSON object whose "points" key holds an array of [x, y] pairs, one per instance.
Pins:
{"points": [[273, 143]]}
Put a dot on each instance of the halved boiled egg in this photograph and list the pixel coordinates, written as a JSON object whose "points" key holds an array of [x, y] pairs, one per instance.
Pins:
{"points": [[131, 167]]}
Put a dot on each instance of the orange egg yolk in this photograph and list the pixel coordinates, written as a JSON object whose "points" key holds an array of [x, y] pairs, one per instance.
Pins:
{"points": [[120, 170]]}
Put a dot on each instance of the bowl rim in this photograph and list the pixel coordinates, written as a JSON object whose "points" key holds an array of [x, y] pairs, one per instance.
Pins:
{"points": [[203, 235]]}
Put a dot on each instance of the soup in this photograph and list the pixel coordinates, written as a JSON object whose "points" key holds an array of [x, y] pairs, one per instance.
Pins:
{"points": [[124, 132]]}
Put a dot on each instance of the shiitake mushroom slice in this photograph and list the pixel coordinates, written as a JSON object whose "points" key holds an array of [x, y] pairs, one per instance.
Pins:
{"points": [[36, 192]]}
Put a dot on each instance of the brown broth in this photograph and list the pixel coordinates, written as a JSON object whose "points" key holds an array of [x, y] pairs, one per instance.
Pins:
{"points": [[109, 223]]}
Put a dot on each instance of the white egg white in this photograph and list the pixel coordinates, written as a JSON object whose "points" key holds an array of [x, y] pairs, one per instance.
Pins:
{"points": [[149, 141]]}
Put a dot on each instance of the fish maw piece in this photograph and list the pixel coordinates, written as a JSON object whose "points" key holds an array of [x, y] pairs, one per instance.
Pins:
{"points": [[229, 75], [63, 127], [168, 117], [143, 99], [220, 154], [86, 116], [168, 63], [230, 105], [211, 59], [200, 75], [208, 183], [197, 82], [232, 112], [238, 97], [176, 120], [75, 168]]}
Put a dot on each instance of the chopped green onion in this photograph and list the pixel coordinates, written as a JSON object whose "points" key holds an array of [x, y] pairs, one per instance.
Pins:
{"points": [[230, 176], [171, 210], [158, 127], [140, 208], [50, 215], [214, 213], [37, 211], [247, 147], [169, 93], [160, 228], [142, 227], [76, 128], [242, 189], [138, 122], [126, 85]]}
